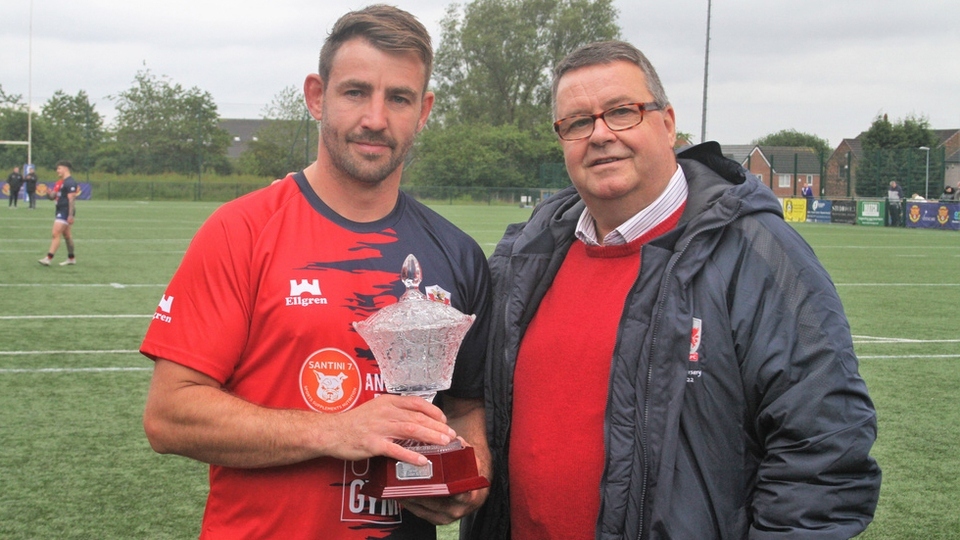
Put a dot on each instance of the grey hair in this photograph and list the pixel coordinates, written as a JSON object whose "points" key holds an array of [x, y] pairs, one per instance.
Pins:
{"points": [[607, 52]]}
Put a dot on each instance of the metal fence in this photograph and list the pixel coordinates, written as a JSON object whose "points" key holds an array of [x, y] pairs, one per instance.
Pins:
{"points": [[170, 191], [219, 192]]}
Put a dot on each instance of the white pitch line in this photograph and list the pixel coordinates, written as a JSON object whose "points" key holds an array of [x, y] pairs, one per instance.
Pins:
{"points": [[107, 240], [898, 248], [27, 317], [897, 356], [897, 284], [24, 353], [72, 370], [113, 285], [866, 340]]}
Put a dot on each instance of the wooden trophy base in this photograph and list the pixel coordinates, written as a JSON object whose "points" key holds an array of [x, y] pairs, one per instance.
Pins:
{"points": [[450, 471]]}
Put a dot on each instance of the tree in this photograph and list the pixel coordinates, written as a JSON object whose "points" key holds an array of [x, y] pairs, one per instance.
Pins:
{"points": [[480, 155], [792, 137], [494, 59], [76, 130], [892, 152], [287, 142], [13, 127], [10, 100], [161, 127], [14, 124]]}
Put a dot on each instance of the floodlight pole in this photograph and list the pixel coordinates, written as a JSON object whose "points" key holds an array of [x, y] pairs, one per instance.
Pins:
{"points": [[30, 91], [706, 69], [926, 189]]}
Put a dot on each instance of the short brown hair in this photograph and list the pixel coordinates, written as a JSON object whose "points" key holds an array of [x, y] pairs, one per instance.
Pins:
{"points": [[387, 28], [65, 163], [607, 52]]}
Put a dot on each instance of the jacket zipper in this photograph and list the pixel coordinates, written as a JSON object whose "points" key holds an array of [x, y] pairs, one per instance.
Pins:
{"points": [[653, 347]]}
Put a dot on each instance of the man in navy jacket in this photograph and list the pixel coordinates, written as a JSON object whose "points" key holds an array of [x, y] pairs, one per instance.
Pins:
{"points": [[728, 403]]}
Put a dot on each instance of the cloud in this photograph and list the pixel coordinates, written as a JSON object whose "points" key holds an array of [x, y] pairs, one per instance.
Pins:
{"points": [[820, 66]]}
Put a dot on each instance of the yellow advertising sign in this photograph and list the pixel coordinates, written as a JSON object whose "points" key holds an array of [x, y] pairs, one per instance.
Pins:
{"points": [[795, 210]]}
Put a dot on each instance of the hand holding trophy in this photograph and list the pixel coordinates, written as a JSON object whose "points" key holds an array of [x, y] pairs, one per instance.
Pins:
{"points": [[415, 342]]}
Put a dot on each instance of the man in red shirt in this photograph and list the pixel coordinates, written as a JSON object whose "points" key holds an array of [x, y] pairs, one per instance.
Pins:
{"points": [[258, 370]]}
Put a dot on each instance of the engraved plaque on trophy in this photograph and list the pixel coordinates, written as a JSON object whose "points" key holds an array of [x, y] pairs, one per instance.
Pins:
{"points": [[415, 342]]}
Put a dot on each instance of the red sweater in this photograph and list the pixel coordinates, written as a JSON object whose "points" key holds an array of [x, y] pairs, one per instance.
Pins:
{"points": [[560, 391]]}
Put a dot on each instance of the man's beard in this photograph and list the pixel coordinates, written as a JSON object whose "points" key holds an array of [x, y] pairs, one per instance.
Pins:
{"points": [[355, 165]]}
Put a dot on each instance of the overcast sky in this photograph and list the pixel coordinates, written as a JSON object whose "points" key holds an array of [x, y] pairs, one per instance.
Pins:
{"points": [[826, 67]]}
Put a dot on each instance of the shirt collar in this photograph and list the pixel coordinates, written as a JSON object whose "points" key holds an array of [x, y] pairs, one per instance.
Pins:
{"points": [[664, 206]]}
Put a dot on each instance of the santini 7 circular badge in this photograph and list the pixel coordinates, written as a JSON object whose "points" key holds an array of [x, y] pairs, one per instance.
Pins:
{"points": [[330, 381]]}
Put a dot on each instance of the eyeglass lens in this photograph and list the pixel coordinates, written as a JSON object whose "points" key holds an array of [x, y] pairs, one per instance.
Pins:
{"points": [[617, 119]]}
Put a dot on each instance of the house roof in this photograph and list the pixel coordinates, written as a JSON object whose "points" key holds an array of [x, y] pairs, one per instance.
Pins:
{"points": [[784, 157], [737, 152], [241, 131], [855, 147], [943, 135]]}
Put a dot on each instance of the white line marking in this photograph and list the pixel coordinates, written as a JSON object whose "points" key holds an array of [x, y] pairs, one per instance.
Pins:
{"points": [[883, 357], [72, 370], [23, 353], [898, 248], [26, 317], [114, 285], [870, 339], [897, 284], [107, 240]]}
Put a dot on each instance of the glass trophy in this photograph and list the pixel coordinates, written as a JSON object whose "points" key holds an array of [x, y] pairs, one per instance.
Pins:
{"points": [[415, 342]]}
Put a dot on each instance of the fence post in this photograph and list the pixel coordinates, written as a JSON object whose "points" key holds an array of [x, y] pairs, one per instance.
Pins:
{"points": [[796, 160], [849, 173], [822, 192], [771, 172]]}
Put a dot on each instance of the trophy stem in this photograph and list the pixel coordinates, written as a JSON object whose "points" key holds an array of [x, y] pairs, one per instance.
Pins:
{"points": [[425, 395]]}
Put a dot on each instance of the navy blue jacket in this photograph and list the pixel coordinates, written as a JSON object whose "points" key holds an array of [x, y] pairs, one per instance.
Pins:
{"points": [[762, 432]]}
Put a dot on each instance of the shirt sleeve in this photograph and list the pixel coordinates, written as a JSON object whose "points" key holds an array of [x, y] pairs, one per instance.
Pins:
{"points": [[203, 317]]}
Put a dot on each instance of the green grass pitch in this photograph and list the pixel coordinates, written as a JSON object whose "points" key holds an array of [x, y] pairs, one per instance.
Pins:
{"points": [[74, 462]]}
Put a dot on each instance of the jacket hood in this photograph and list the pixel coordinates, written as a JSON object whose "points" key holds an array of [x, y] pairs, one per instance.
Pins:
{"points": [[720, 188], [720, 193]]}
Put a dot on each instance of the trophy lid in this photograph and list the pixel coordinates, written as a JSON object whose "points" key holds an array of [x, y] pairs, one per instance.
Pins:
{"points": [[413, 311], [415, 340]]}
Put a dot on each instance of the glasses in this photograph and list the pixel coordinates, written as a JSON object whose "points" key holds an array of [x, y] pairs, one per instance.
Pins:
{"points": [[619, 118]]}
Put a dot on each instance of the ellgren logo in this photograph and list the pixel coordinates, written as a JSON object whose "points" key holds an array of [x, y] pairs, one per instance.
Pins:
{"points": [[166, 304], [303, 287]]}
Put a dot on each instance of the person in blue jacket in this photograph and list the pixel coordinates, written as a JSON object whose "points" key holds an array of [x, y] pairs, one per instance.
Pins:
{"points": [[668, 358]]}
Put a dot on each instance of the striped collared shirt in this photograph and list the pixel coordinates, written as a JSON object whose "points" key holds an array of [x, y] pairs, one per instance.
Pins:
{"points": [[666, 204]]}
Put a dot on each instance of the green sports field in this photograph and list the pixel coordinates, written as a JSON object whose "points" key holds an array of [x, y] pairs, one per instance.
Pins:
{"points": [[74, 462]]}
